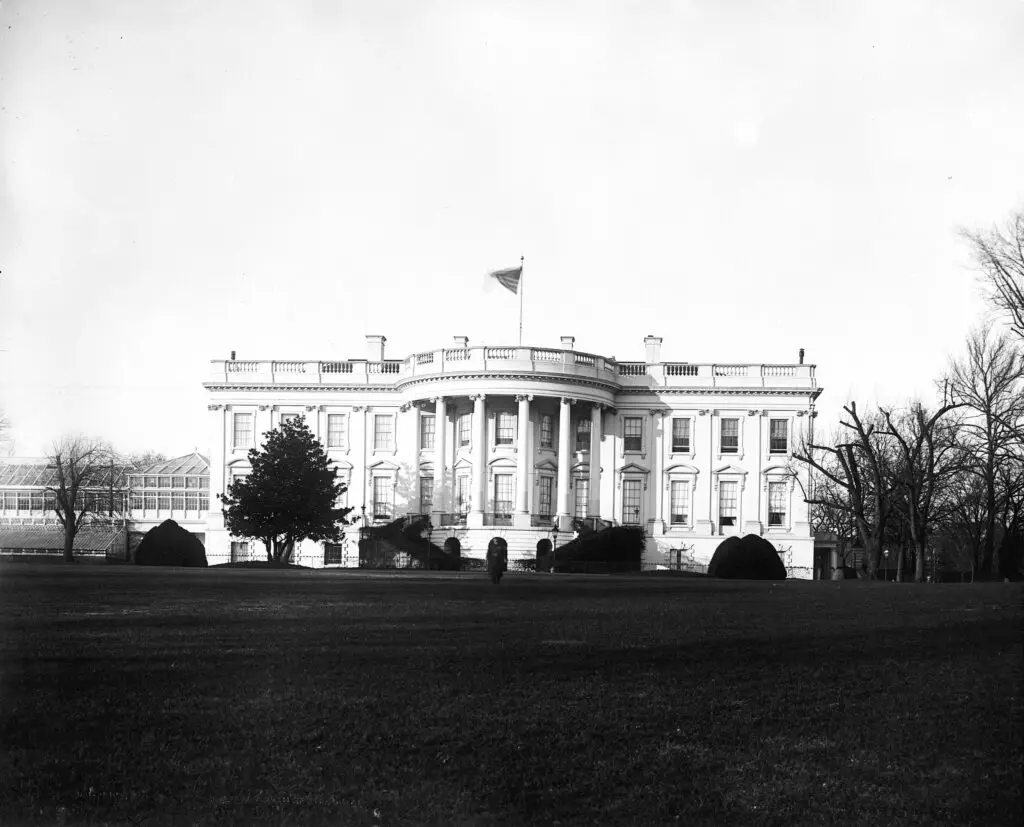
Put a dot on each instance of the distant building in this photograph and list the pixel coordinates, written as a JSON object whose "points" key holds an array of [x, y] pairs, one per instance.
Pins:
{"points": [[516, 441], [122, 505]]}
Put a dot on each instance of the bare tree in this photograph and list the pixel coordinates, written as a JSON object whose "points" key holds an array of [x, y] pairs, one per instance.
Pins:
{"points": [[82, 464], [856, 465], [928, 459], [999, 255], [986, 382]]}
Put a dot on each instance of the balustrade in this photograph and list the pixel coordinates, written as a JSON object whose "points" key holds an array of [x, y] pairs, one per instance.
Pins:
{"points": [[289, 367], [336, 367]]}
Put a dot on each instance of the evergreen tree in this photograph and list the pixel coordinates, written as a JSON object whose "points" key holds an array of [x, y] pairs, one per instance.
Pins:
{"points": [[290, 495]]}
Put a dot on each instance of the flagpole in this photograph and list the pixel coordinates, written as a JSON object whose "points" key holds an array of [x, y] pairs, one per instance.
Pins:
{"points": [[521, 260]]}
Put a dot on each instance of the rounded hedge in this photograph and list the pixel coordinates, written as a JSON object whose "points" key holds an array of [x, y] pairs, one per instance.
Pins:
{"points": [[747, 558], [168, 544]]}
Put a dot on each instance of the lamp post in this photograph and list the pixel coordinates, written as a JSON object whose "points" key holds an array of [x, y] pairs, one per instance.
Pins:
{"points": [[554, 544], [886, 555], [363, 508], [636, 515]]}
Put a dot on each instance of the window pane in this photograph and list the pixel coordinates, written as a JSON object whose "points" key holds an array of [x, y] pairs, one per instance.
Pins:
{"points": [[631, 502], [426, 494], [335, 430], [503, 494], [150, 500], [727, 503], [681, 435], [462, 502], [545, 431], [779, 436], [505, 429], [242, 430], [632, 433], [383, 491], [582, 487], [464, 423], [680, 503], [426, 432], [192, 502], [730, 436], [177, 482], [136, 502], [776, 503], [164, 501], [544, 497], [178, 502], [583, 435], [382, 434], [165, 482]]}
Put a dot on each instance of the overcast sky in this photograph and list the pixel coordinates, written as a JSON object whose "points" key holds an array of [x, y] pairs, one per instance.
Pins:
{"points": [[184, 179]]}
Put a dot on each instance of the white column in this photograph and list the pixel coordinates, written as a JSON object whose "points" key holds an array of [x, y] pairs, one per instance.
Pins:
{"points": [[657, 470], [564, 458], [594, 491], [522, 458], [440, 477], [479, 461]]}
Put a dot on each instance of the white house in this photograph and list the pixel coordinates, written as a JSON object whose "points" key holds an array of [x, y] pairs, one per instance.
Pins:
{"points": [[511, 441]]}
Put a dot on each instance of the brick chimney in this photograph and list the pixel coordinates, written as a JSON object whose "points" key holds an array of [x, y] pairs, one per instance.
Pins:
{"points": [[568, 342], [653, 345], [375, 348], [462, 341]]}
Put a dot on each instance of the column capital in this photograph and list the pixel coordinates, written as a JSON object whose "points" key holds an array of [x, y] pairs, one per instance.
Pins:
{"points": [[214, 407], [478, 397], [568, 400], [520, 397], [436, 399], [404, 407], [657, 411], [359, 408]]}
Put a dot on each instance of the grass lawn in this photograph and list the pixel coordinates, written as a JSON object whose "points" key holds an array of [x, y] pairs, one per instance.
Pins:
{"points": [[228, 696]]}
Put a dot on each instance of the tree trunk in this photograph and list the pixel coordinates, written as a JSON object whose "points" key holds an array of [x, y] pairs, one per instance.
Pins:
{"points": [[872, 552], [901, 559], [69, 540]]}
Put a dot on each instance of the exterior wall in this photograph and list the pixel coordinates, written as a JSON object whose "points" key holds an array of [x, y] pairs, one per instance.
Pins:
{"points": [[653, 392]]}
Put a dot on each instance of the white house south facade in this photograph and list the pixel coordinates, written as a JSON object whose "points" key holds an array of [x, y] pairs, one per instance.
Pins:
{"points": [[511, 441]]}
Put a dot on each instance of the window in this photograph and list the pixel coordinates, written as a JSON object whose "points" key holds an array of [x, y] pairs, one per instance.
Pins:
{"points": [[727, 503], [730, 436], [153, 482], [776, 503], [426, 494], [383, 492], [150, 499], [24, 501], [503, 494], [136, 502], [242, 433], [630, 502], [382, 433], [632, 433], [426, 432], [164, 501], [193, 482], [204, 502], [178, 502], [462, 499], [778, 436], [191, 501], [335, 430], [177, 482], [290, 417], [505, 428], [583, 435], [37, 501], [680, 503], [544, 496], [165, 482], [464, 429], [680, 435], [582, 494], [546, 431]]}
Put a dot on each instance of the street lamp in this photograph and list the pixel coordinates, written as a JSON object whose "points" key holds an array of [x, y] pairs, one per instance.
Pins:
{"points": [[364, 514], [636, 515], [554, 544], [886, 555]]}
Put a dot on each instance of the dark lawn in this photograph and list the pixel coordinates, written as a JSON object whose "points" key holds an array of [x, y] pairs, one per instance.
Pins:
{"points": [[301, 697]]}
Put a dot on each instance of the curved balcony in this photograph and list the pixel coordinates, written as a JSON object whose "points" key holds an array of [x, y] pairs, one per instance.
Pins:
{"points": [[550, 363]]}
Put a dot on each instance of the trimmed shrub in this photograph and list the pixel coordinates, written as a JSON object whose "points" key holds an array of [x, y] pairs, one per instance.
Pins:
{"points": [[617, 548], [168, 544], [746, 558]]}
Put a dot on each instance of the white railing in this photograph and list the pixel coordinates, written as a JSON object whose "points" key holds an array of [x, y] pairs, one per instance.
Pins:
{"points": [[500, 353], [243, 367], [456, 354], [336, 367], [585, 359], [543, 355], [778, 370], [289, 367], [632, 368], [730, 370], [425, 358], [383, 367], [680, 369]]}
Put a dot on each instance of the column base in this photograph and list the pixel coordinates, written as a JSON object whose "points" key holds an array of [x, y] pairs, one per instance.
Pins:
{"points": [[656, 528], [475, 519], [704, 527], [520, 521], [564, 522]]}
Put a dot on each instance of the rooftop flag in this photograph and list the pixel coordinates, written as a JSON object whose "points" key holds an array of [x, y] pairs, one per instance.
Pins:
{"points": [[509, 279]]}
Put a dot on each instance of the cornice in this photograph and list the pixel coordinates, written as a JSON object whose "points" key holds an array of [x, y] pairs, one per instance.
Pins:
{"points": [[556, 378], [276, 386], [660, 391]]}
